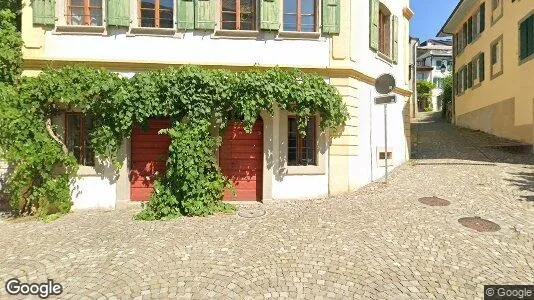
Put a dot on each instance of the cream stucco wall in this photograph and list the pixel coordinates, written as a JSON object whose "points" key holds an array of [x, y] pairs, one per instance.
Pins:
{"points": [[502, 105]]}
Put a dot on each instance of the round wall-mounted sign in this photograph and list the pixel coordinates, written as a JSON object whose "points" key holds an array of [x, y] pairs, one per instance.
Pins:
{"points": [[385, 84]]}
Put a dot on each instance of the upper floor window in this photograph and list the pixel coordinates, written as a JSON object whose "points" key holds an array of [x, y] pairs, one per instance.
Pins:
{"points": [[238, 14], [156, 13], [84, 12], [496, 10], [77, 128], [300, 15], [496, 57], [384, 31], [301, 150], [526, 38]]}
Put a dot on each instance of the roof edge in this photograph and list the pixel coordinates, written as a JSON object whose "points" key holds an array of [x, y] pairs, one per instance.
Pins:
{"points": [[441, 32]]}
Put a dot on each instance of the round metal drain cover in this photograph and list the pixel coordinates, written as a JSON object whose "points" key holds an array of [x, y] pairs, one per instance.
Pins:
{"points": [[251, 213], [479, 224], [434, 201]]}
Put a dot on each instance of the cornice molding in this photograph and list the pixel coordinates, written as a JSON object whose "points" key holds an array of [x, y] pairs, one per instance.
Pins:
{"points": [[31, 63]]}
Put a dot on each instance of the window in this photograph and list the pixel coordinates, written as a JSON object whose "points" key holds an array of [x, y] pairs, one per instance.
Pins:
{"points": [[156, 13], [481, 68], [384, 31], [438, 82], [238, 14], [77, 128], [482, 17], [470, 30], [84, 12], [301, 149], [464, 35], [496, 57], [526, 38], [300, 15], [469, 75], [464, 78], [438, 63], [497, 10]]}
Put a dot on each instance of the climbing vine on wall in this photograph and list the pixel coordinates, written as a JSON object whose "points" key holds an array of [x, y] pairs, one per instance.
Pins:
{"points": [[195, 99]]}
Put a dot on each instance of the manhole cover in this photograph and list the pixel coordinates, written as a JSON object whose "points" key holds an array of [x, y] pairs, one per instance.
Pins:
{"points": [[251, 213], [479, 224], [434, 201]]}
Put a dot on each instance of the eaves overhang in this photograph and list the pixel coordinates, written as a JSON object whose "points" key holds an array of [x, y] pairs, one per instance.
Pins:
{"points": [[458, 15]]}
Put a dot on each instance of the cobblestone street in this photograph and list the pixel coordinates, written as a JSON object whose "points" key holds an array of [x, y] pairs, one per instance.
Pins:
{"points": [[377, 243]]}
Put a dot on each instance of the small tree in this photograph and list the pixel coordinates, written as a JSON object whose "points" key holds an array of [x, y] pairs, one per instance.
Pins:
{"points": [[10, 48], [424, 93], [447, 98]]}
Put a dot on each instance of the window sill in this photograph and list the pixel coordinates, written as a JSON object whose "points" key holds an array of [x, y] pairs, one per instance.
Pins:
{"points": [[80, 29], [304, 170], [87, 171], [384, 58], [526, 59], [237, 34], [151, 31], [297, 35]]}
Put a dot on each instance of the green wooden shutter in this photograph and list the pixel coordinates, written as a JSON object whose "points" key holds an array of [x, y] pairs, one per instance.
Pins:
{"points": [[481, 73], [482, 18], [395, 54], [530, 29], [205, 14], [119, 12], [44, 12], [373, 24], [523, 39], [270, 15], [331, 16], [185, 14]]}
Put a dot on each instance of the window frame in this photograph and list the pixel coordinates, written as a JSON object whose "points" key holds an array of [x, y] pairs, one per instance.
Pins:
{"points": [[531, 55], [82, 135], [315, 158], [299, 15], [157, 17], [500, 57], [87, 8], [500, 6], [385, 32], [238, 13]]}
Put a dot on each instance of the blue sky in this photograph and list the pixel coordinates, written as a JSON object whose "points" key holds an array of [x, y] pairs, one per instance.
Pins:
{"points": [[430, 15]]}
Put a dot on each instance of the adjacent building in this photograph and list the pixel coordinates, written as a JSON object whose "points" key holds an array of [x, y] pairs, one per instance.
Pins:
{"points": [[493, 66], [349, 43], [434, 62]]}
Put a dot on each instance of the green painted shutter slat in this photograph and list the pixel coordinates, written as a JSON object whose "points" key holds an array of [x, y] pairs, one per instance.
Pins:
{"points": [[185, 14], [373, 24], [119, 12], [205, 14], [395, 39], [44, 12], [530, 29], [270, 15], [331, 16]]}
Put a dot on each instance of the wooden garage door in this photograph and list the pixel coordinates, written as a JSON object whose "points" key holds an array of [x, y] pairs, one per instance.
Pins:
{"points": [[149, 154], [241, 160]]}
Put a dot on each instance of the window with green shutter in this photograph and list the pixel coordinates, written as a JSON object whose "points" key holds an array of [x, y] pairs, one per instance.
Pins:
{"points": [[270, 11], [185, 14], [526, 38], [481, 69], [118, 13], [300, 15], [482, 17], [205, 14], [331, 16], [374, 10], [44, 12]]}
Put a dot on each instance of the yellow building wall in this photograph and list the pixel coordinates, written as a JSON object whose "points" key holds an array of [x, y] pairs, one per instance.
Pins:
{"points": [[503, 105]]}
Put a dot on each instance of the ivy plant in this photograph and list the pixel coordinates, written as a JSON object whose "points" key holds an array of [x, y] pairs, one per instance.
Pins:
{"points": [[196, 100]]}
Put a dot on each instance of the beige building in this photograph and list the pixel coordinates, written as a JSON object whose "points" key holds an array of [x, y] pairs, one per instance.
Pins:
{"points": [[350, 43], [493, 66]]}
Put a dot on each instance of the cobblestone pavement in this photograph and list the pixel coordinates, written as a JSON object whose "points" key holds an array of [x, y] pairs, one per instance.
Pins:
{"points": [[376, 243]]}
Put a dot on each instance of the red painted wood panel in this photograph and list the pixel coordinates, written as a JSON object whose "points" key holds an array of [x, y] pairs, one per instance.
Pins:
{"points": [[149, 154], [241, 160]]}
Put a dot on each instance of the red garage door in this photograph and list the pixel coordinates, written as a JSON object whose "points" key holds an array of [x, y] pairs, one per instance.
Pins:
{"points": [[241, 160], [149, 154]]}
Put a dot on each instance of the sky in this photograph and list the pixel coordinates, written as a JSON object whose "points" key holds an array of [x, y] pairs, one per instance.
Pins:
{"points": [[430, 15]]}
